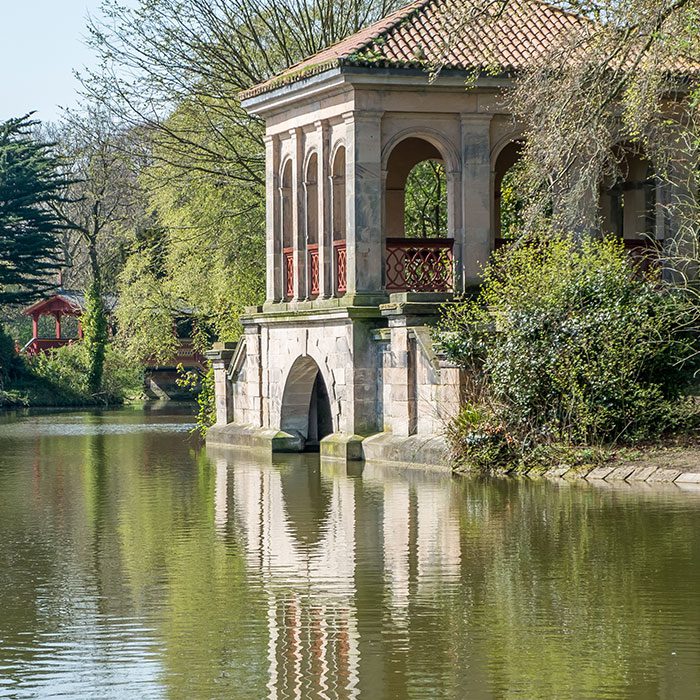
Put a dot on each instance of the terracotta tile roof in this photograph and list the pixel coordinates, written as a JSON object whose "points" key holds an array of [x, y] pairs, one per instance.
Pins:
{"points": [[453, 33]]}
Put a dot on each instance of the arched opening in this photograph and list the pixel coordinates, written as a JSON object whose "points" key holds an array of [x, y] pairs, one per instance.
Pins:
{"points": [[419, 242], [306, 406], [311, 206], [508, 199], [628, 206], [415, 178], [287, 230], [339, 222], [628, 203], [425, 201]]}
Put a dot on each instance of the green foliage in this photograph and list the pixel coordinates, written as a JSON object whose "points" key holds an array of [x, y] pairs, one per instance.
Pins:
{"points": [[146, 310], [570, 344], [11, 366], [512, 202], [202, 386], [479, 441], [94, 322], [204, 256], [29, 184], [425, 209], [66, 372]]}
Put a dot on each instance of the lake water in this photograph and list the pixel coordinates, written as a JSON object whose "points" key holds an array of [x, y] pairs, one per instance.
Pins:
{"points": [[134, 563]]}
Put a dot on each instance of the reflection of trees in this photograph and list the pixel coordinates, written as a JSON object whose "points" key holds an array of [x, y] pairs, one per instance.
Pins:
{"points": [[575, 592], [254, 580]]}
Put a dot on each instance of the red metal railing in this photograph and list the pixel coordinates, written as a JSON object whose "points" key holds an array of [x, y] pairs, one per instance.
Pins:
{"points": [[314, 270], [341, 266], [419, 265], [289, 272]]}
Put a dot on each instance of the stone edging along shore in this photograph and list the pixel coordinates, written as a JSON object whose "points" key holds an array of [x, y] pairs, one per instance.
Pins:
{"points": [[680, 467]]}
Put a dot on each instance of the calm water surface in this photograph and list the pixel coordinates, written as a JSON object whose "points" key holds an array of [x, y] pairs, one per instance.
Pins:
{"points": [[136, 564]]}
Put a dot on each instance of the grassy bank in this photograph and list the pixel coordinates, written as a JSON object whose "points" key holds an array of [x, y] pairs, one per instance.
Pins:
{"points": [[60, 379]]}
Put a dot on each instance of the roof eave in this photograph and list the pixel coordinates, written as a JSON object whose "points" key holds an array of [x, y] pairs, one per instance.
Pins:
{"points": [[278, 96], [338, 77]]}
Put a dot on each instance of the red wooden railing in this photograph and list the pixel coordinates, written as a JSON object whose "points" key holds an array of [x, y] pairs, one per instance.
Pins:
{"points": [[644, 252], [38, 345], [314, 270], [289, 272], [419, 265], [341, 266]]}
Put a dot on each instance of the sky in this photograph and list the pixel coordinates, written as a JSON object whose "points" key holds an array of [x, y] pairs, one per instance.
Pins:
{"points": [[41, 42]]}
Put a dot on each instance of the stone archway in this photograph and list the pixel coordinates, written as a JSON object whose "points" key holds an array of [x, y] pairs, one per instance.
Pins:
{"points": [[306, 407]]}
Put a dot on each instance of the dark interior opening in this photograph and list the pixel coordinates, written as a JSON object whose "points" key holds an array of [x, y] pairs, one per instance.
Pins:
{"points": [[320, 421]]}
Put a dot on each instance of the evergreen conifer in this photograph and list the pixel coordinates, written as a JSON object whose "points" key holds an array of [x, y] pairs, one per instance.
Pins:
{"points": [[30, 182]]}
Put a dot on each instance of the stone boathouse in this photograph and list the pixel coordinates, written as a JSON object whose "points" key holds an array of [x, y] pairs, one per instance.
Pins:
{"points": [[339, 358]]}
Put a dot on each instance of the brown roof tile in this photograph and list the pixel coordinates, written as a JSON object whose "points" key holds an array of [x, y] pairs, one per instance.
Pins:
{"points": [[452, 33]]}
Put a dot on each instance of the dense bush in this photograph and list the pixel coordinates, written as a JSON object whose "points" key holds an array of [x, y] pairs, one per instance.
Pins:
{"points": [[568, 343], [10, 364], [67, 369], [201, 386]]}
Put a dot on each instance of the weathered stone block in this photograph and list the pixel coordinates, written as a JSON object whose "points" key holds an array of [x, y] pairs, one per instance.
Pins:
{"points": [[343, 446], [641, 473], [600, 473], [664, 475]]}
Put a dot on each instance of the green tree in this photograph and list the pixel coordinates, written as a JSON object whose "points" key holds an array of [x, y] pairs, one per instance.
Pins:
{"points": [[103, 203], [30, 182], [94, 322], [425, 210]]}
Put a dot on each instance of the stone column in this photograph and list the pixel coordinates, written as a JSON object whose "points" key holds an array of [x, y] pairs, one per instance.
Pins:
{"points": [[476, 196], [363, 183], [401, 379], [298, 224], [325, 213], [220, 357], [254, 363], [273, 220], [455, 225]]}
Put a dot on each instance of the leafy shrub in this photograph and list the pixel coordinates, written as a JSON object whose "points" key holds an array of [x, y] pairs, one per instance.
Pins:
{"points": [[11, 365], [574, 345], [202, 386], [478, 441], [68, 370]]}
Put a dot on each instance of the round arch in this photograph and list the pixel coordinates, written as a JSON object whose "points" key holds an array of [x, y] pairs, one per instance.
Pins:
{"points": [[401, 156], [308, 157], [285, 170], [306, 406], [504, 158], [447, 153]]}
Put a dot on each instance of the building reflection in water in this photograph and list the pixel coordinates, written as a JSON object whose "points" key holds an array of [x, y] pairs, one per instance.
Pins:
{"points": [[300, 529]]}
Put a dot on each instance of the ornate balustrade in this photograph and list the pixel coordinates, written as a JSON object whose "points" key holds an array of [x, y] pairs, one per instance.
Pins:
{"points": [[419, 265], [314, 270], [645, 253], [289, 272], [341, 266]]}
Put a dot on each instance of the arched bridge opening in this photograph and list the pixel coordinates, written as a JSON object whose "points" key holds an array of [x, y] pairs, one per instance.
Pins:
{"points": [[306, 406]]}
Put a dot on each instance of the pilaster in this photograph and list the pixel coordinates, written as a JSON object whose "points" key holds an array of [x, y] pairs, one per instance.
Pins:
{"points": [[273, 220], [325, 214], [364, 201], [475, 247], [298, 223]]}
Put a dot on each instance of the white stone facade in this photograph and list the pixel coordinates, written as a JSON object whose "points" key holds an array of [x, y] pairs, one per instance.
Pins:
{"points": [[339, 147]]}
